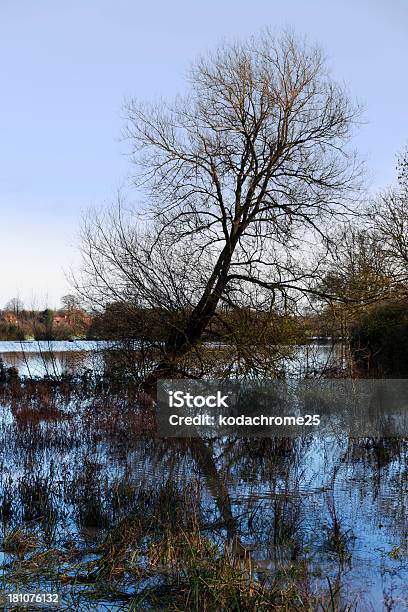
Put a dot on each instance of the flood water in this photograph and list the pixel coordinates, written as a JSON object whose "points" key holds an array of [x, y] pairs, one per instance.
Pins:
{"points": [[53, 358], [41, 358], [336, 506]]}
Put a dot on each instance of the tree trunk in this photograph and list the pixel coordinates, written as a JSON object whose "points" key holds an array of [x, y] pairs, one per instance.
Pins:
{"points": [[182, 341]]}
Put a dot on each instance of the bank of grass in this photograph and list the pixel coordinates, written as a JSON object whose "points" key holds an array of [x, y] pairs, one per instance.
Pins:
{"points": [[159, 558], [180, 571], [205, 577]]}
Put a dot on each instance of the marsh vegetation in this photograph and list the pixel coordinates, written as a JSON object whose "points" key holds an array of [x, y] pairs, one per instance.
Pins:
{"points": [[94, 505]]}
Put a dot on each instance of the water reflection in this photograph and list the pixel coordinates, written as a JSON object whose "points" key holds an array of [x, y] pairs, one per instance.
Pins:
{"points": [[51, 358]]}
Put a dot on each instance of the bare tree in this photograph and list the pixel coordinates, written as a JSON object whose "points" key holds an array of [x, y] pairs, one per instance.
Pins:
{"points": [[242, 175], [389, 221], [70, 302], [15, 305], [357, 273]]}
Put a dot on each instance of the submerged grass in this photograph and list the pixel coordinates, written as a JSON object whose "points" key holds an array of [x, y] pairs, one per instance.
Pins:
{"points": [[160, 557], [205, 577], [179, 571], [19, 542]]}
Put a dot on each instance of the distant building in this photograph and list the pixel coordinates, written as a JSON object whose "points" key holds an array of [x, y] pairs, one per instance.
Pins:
{"points": [[61, 319], [9, 318], [72, 317]]}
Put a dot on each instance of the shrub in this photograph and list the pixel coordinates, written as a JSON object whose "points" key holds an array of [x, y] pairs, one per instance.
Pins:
{"points": [[379, 339]]}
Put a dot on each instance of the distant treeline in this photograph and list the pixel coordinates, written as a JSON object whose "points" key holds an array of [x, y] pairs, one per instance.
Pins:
{"points": [[120, 321], [44, 325], [234, 325], [377, 333]]}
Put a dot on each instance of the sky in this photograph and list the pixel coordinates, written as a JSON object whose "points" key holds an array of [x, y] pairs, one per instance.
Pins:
{"points": [[66, 69]]}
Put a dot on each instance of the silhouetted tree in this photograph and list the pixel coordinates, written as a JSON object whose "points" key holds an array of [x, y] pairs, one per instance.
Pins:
{"points": [[242, 174], [70, 302], [15, 305]]}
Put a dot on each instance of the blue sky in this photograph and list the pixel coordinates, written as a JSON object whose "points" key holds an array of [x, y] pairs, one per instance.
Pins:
{"points": [[66, 68]]}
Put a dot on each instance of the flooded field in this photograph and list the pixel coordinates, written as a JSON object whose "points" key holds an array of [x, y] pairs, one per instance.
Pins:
{"points": [[53, 358], [39, 358], [95, 506]]}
